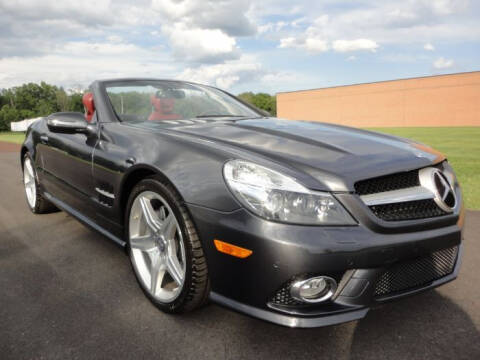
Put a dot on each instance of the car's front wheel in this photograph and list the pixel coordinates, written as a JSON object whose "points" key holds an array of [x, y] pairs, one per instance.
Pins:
{"points": [[164, 248], [35, 200]]}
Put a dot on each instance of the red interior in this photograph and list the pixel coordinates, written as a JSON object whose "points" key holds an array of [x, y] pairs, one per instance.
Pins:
{"points": [[163, 109], [89, 105]]}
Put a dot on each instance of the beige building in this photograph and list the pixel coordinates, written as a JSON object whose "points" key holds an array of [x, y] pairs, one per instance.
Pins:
{"points": [[443, 100]]}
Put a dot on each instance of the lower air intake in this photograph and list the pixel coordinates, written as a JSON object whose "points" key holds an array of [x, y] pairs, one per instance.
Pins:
{"points": [[416, 273]]}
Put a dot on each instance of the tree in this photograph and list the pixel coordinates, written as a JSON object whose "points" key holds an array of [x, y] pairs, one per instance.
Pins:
{"points": [[261, 100], [76, 103], [34, 100], [63, 100], [7, 115]]}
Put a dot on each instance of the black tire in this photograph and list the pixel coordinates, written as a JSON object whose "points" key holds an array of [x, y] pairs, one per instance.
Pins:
{"points": [[42, 205], [196, 286]]}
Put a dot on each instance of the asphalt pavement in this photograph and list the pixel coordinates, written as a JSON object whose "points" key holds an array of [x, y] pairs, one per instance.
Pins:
{"points": [[67, 292]]}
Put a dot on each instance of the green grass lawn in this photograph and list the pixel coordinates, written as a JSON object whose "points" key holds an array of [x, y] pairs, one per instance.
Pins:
{"points": [[461, 145], [14, 137]]}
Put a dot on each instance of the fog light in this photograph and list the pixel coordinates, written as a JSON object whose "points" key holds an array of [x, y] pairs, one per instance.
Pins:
{"points": [[314, 290]]}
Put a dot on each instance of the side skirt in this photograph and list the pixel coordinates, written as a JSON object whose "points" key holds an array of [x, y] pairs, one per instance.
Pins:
{"points": [[84, 219]]}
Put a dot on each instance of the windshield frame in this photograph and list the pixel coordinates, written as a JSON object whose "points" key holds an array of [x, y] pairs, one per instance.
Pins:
{"points": [[257, 113]]}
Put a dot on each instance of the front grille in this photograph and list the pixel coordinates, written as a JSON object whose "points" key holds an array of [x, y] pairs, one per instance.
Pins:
{"points": [[409, 210], [416, 273], [401, 210], [388, 183]]}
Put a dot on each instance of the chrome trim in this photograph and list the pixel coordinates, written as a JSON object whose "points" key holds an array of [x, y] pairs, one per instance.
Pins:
{"points": [[105, 193], [397, 196], [440, 185], [330, 283]]}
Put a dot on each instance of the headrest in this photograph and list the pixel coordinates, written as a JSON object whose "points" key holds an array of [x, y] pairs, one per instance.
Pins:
{"points": [[89, 105], [162, 105]]}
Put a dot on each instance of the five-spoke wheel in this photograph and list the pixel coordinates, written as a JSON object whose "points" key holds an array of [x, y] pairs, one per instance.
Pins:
{"points": [[162, 239], [35, 199], [29, 182], [156, 242]]}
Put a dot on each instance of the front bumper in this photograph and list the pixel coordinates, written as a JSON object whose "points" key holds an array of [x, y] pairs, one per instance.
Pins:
{"points": [[282, 252]]}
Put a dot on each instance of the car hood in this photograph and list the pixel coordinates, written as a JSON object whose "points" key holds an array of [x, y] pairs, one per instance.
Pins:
{"points": [[336, 156]]}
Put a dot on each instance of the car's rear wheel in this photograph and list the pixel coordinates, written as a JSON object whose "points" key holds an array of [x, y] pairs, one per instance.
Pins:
{"points": [[35, 200], [164, 248]]}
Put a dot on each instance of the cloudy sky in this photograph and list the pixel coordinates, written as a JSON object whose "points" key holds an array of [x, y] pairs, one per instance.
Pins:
{"points": [[264, 45]]}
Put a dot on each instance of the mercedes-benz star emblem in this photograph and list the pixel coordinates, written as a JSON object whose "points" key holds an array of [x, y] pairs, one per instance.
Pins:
{"points": [[444, 194]]}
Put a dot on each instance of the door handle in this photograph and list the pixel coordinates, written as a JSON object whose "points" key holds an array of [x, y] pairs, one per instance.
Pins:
{"points": [[44, 139]]}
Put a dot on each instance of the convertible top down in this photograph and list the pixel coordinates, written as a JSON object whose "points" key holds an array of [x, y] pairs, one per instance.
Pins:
{"points": [[303, 224]]}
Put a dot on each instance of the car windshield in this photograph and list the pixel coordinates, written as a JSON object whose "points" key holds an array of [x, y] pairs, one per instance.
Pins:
{"points": [[172, 100]]}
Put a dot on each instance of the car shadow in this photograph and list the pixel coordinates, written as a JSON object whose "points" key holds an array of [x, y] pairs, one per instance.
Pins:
{"points": [[425, 326]]}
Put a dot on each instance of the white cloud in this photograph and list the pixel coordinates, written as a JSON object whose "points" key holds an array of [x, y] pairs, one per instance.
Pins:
{"points": [[271, 26], [289, 42], [224, 75], [316, 45], [83, 62], [429, 47], [352, 58], [89, 12], [446, 7], [309, 44], [193, 27], [318, 36], [442, 63], [115, 38], [354, 45], [229, 16], [39, 39], [94, 49], [385, 23], [204, 31], [197, 44]]}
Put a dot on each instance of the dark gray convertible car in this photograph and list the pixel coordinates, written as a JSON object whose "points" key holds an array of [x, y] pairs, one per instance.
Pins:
{"points": [[299, 223]]}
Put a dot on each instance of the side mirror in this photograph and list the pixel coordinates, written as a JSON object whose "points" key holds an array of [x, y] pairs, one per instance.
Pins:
{"points": [[69, 123]]}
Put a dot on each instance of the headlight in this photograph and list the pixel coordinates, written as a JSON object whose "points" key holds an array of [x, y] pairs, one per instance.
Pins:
{"points": [[275, 196]]}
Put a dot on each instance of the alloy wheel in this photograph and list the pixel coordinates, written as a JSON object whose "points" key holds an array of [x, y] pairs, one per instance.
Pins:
{"points": [[29, 182], [157, 247]]}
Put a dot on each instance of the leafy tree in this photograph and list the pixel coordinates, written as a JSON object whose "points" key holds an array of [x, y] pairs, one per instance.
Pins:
{"points": [[261, 100], [76, 103], [34, 100], [63, 100], [7, 115], [39, 98], [3, 98]]}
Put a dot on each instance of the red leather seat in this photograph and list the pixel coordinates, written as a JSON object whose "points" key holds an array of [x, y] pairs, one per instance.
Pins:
{"points": [[163, 109], [89, 105]]}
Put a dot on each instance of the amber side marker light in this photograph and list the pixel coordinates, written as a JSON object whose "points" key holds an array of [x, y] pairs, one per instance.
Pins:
{"points": [[233, 250]]}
